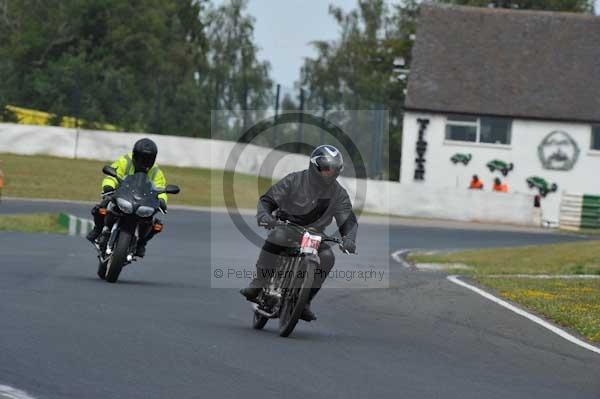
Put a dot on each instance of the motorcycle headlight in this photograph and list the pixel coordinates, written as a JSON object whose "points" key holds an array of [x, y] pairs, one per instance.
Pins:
{"points": [[124, 205], [145, 211]]}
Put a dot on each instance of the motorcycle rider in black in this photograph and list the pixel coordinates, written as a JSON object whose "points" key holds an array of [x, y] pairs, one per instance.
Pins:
{"points": [[310, 198]]}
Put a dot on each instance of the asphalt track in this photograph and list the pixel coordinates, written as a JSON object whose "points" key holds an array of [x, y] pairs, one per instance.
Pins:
{"points": [[163, 332]]}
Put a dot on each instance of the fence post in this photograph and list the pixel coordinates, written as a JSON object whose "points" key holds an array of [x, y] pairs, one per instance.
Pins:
{"points": [[300, 137], [274, 133]]}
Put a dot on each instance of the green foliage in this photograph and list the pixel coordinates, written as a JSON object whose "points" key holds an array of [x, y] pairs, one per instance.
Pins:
{"points": [[142, 65], [234, 77], [356, 72]]}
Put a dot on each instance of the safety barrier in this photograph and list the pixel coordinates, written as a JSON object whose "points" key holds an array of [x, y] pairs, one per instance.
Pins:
{"points": [[579, 211], [385, 197], [28, 116], [77, 226]]}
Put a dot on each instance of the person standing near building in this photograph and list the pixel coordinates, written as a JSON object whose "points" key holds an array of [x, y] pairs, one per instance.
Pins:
{"points": [[476, 184], [499, 187]]}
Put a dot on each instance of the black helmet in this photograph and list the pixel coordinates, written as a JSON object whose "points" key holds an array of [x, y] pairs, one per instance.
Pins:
{"points": [[326, 163], [144, 155]]}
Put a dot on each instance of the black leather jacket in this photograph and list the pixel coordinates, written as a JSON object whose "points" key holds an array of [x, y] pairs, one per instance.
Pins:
{"points": [[302, 199]]}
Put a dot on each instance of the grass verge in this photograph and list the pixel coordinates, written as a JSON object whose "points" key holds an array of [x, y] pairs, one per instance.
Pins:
{"points": [[77, 179], [569, 258], [32, 223], [572, 303]]}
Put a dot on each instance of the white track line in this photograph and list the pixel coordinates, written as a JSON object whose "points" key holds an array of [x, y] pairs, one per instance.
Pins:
{"points": [[547, 276], [7, 392], [527, 315], [397, 256]]}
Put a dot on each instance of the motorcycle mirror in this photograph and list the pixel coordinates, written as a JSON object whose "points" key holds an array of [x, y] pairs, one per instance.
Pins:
{"points": [[172, 189], [110, 171]]}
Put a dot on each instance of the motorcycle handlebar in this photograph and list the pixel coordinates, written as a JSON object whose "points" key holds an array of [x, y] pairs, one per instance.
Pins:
{"points": [[324, 237]]}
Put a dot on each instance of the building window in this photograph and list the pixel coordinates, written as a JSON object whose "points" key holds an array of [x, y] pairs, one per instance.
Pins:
{"points": [[461, 128], [479, 130], [596, 137]]}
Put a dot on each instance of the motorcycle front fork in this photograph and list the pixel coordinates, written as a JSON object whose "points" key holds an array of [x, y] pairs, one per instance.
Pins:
{"points": [[113, 238]]}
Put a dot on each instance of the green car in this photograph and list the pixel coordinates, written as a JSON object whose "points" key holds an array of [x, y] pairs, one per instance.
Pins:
{"points": [[542, 185], [502, 166], [461, 158]]}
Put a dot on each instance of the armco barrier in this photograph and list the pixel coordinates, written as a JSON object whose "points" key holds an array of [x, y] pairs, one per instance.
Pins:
{"points": [[413, 200]]}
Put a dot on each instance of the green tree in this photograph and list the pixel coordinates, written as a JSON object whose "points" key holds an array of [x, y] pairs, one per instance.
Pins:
{"points": [[235, 79], [356, 72], [155, 65]]}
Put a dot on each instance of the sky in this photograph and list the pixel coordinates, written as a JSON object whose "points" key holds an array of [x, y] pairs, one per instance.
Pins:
{"points": [[285, 28]]}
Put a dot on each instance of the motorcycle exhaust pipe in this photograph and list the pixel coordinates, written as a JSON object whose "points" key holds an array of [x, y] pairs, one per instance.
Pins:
{"points": [[262, 312]]}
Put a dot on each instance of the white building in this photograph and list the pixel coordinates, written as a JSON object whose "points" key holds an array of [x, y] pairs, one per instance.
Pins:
{"points": [[519, 87]]}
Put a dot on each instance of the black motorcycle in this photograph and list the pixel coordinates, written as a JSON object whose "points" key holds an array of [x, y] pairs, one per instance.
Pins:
{"points": [[288, 290], [132, 205]]}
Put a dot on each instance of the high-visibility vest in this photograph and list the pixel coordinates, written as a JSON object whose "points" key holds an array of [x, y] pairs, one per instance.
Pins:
{"points": [[502, 188], [477, 185]]}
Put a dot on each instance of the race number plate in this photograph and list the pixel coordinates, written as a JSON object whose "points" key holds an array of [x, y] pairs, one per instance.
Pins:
{"points": [[310, 243]]}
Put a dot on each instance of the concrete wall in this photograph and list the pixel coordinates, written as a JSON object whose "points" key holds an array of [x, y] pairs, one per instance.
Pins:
{"points": [[173, 150], [416, 200], [440, 172], [426, 201]]}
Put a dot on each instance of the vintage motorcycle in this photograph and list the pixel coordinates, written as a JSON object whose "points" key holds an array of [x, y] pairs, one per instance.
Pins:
{"points": [[288, 289]]}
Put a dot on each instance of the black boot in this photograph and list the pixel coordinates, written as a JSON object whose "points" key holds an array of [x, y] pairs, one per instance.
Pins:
{"points": [[307, 314], [93, 234], [140, 250], [103, 240], [252, 291]]}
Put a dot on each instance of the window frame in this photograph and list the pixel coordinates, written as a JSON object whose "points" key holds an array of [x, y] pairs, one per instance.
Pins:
{"points": [[592, 129], [477, 125]]}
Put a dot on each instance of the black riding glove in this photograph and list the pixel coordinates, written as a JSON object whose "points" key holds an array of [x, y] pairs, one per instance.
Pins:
{"points": [[349, 245], [267, 221], [107, 189], [163, 204]]}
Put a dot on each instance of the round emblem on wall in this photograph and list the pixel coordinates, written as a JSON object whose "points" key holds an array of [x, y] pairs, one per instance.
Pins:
{"points": [[558, 151]]}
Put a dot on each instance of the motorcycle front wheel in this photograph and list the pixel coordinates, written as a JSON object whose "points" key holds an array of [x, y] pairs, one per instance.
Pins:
{"points": [[118, 257], [296, 297]]}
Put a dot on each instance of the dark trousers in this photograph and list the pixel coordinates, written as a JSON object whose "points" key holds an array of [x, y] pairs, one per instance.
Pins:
{"points": [[279, 242]]}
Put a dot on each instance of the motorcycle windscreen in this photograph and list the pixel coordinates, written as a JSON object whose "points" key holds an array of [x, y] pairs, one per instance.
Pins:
{"points": [[140, 189]]}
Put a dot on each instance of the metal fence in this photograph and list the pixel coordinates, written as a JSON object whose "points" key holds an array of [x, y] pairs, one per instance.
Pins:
{"points": [[367, 127]]}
